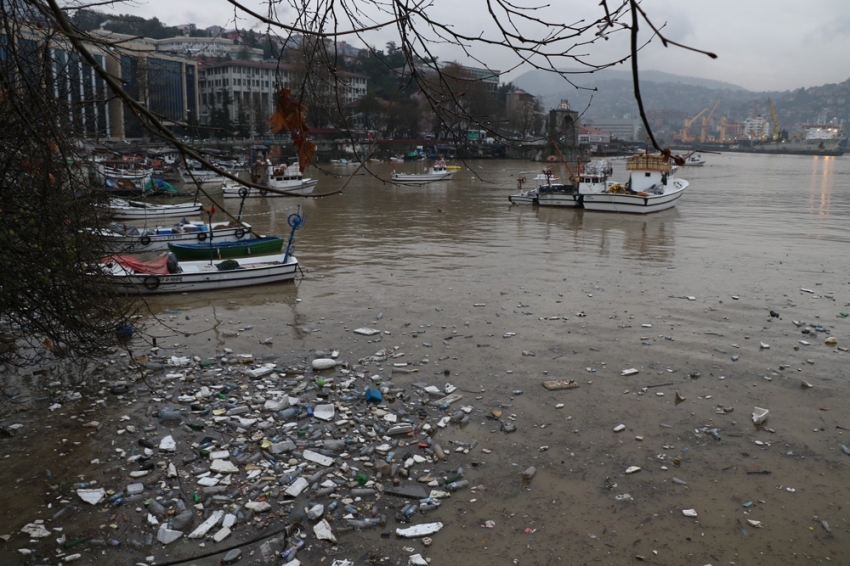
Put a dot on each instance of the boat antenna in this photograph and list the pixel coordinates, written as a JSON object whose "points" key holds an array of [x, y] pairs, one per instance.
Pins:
{"points": [[243, 192], [210, 211], [295, 220]]}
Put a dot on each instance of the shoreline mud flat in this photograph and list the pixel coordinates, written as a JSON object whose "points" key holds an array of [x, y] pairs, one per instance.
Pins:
{"points": [[710, 486]]}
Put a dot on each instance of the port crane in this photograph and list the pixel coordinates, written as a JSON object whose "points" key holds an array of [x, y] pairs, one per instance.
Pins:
{"points": [[688, 122], [705, 121], [723, 129]]}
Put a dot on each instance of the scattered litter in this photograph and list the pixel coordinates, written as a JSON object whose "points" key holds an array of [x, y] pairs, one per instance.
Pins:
{"points": [[422, 530], [366, 331], [557, 384], [760, 415]]}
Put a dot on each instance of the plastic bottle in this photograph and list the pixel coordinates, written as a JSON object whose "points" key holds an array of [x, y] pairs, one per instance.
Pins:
{"points": [[289, 553], [456, 485]]}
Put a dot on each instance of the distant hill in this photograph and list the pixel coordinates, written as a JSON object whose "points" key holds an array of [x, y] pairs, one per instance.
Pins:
{"points": [[666, 92], [549, 84]]}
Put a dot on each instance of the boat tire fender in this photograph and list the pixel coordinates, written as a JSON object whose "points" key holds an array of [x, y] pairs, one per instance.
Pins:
{"points": [[151, 282], [202, 236], [240, 233], [145, 240], [243, 192], [263, 192]]}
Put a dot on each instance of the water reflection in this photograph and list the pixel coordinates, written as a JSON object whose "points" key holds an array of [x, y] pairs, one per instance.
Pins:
{"points": [[640, 238], [821, 185]]}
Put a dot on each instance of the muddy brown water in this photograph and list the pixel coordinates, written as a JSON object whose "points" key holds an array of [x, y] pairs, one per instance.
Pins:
{"points": [[504, 297]]}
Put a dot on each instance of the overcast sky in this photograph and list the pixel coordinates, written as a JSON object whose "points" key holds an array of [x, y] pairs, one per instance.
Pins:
{"points": [[761, 44]]}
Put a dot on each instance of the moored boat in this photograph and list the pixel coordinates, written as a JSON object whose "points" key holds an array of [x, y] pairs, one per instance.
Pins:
{"points": [[226, 249], [167, 275], [439, 172], [292, 187], [652, 187], [127, 238], [137, 210]]}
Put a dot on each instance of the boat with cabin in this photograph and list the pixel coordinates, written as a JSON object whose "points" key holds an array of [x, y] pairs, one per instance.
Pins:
{"points": [[652, 187], [439, 172]]}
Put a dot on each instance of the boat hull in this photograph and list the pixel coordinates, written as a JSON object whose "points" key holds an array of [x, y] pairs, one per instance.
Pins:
{"points": [[145, 211], [632, 204], [202, 276], [304, 187], [412, 178], [561, 200], [224, 250], [523, 198], [158, 239]]}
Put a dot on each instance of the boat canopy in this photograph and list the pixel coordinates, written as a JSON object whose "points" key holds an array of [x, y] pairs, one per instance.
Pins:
{"points": [[649, 162], [157, 266]]}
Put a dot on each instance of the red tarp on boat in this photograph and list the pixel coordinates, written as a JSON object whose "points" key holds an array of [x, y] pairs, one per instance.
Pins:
{"points": [[156, 266]]}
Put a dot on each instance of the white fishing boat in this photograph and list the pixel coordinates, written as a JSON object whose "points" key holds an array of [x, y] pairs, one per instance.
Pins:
{"points": [[237, 190], [127, 238], [137, 210], [194, 174], [592, 178], [524, 196], [694, 160], [439, 172], [652, 187], [167, 275]]}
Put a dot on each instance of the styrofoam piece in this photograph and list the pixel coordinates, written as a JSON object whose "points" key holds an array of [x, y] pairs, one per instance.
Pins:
{"points": [[258, 506], [35, 530], [223, 467], [229, 520], [759, 415], [317, 458], [323, 531], [167, 444], [259, 372], [204, 527], [166, 535], [323, 363], [630, 371], [219, 455], [93, 496], [222, 534], [689, 512], [422, 530], [324, 412], [299, 485], [632, 469], [275, 405], [366, 331], [619, 428]]}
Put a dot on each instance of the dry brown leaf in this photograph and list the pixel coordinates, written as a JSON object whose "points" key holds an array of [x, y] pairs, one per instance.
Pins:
{"points": [[291, 114]]}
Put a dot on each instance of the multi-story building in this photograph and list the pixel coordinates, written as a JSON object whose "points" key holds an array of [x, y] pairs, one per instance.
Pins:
{"points": [[620, 129], [254, 85], [165, 83]]}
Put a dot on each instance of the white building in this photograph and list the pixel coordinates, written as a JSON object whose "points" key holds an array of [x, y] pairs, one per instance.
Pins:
{"points": [[213, 47], [256, 84]]}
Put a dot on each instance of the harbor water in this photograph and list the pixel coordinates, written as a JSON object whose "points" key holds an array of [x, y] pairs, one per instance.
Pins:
{"points": [[708, 301]]}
